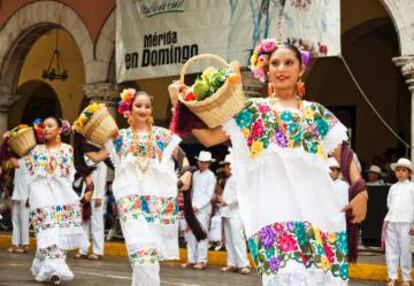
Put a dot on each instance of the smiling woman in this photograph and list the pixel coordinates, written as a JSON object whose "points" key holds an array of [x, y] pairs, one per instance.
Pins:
{"points": [[293, 219]]}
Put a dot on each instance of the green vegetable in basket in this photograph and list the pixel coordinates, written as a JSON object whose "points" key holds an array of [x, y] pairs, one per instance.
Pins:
{"points": [[201, 89]]}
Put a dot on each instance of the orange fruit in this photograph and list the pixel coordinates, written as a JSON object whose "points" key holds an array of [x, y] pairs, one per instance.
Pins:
{"points": [[234, 79]]}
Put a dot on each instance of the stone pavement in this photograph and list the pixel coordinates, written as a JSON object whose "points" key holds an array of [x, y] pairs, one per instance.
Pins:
{"points": [[116, 271]]}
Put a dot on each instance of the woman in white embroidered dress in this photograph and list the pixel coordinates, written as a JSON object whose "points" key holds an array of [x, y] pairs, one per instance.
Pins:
{"points": [[145, 187], [54, 206], [293, 216]]}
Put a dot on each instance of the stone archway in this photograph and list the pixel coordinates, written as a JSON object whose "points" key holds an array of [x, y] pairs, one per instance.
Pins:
{"points": [[25, 27], [105, 49], [402, 15]]}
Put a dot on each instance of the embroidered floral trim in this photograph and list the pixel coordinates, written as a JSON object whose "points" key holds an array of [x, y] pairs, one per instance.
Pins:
{"points": [[274, 245], [155, 209], [124, 142], [65, 216], [262, 127], [143, 255], [42, 162], [51, 252]]}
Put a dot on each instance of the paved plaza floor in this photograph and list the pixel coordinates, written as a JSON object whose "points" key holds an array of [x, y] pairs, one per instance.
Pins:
{"points": [[115, 271]]}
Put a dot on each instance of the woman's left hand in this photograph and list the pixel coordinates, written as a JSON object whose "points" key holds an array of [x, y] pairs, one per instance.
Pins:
{"points": [[186, 179], [358, 206], [87, 197]]}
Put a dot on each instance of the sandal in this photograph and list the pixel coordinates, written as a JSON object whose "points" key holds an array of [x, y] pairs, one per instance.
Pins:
{"points": [[12, 249], [55, 279], [391, 283], [229, 269], [187, 265], [200, 266], [80, 255], [19, 250], [245, 270], [94, 257]]}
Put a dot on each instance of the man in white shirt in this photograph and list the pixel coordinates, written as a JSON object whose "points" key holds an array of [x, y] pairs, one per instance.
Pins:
{"points": [[233, 228], [94, 227], [204, 182], [20, 214], [374, 174]]}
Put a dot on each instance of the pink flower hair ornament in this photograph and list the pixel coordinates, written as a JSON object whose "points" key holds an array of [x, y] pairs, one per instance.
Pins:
{"points": [[259, 60], [125, 104]]}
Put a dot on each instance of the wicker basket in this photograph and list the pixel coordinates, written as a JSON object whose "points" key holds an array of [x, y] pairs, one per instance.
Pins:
{"points": [[100, 127], [23, 142], [226, 102]]}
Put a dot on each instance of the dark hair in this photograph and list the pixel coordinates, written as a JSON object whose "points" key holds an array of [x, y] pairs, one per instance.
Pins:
{"points": [[57, 120], [294, 49], [141, 92]]}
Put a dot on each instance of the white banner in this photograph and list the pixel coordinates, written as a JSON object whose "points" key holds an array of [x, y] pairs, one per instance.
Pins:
{"points": [[155, 37]]}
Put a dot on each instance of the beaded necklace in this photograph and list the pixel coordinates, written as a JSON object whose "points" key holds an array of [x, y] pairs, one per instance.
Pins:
{"points": [[143, 155]]}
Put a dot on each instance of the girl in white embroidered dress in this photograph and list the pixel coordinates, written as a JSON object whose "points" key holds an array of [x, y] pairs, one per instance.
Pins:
{"points": [[54, 206], [292, 214], [145, 188]]}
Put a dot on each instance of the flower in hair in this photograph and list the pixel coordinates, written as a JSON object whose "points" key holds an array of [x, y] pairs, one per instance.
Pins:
{"points": [[259, 60], [125, 104], [66, 127], [39, 126]]}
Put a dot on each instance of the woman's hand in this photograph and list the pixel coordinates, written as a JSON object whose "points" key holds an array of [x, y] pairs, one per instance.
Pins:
{"points": [[186, 180], [14, 163], [175, 88], [358, 206], [87, 197]]}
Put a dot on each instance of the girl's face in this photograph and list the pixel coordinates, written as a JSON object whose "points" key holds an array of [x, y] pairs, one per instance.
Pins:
{"points": [[141, 108], [402, 173], [284, 69], [51, 130]]}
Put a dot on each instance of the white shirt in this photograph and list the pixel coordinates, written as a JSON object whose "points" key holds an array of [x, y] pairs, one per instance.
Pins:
{"points": [[376, 183], [204, 184], [98, 179], [343, 188], [400, 202], [20, 190], [230, 197]]}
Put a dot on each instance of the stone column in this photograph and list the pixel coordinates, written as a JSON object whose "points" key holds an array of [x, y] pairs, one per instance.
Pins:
{"points": [[251, 86], [6, 100], [103, 92], [406, 63]]}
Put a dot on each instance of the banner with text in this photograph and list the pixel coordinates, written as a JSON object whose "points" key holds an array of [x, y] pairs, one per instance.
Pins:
{"points": [[155, 37]]}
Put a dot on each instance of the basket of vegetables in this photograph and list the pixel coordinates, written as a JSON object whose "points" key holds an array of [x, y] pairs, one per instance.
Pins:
{"points": [[96, 124], [217, 95], [21, 139]]}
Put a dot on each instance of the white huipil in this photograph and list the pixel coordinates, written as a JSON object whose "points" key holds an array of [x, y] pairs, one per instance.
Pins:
{"points": [[94, 227], [203, 185], [54, 209], [400, 216], [288, 203], [20, 211], [233, 226], [146, 194]]}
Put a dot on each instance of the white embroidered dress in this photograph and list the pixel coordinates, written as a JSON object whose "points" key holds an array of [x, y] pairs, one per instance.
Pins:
{"points": [[54, 209], [289, 206], [147, 200]]}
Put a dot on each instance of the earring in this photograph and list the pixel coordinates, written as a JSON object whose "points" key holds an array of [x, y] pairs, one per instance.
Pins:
{"points": [[131, 121], [271, 90], [59, 139], [300, 88], [150, 120]]}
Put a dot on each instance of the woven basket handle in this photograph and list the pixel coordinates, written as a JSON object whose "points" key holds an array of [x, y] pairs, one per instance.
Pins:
{"points": [[197, 58]]}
